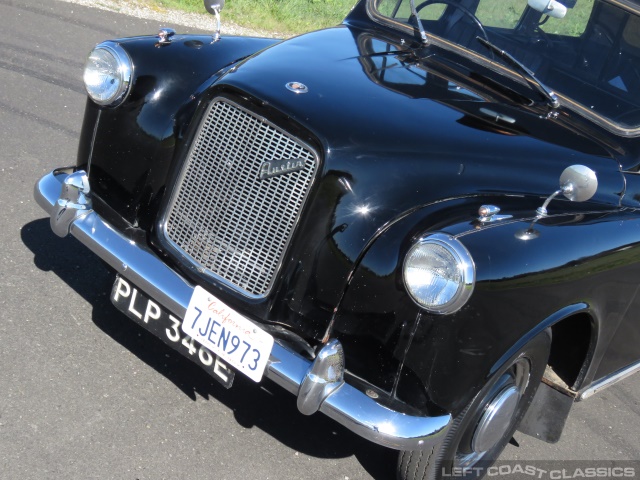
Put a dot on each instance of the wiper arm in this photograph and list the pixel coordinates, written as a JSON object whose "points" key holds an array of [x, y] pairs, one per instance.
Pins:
{"points": [[527, 74], [414, 14]]}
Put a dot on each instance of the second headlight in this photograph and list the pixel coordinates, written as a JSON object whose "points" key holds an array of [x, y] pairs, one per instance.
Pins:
{"points": [[107, 74], [439, 273]]}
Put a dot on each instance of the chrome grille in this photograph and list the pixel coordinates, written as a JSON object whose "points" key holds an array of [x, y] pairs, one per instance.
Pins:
{"points": [[226, 220]]}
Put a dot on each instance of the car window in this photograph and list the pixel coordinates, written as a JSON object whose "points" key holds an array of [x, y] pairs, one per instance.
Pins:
{"points": [[573, 24], [502, 14], [591, 57], [401, 9]]}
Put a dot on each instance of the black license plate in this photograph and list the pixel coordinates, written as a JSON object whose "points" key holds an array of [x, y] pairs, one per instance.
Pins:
{"points": [[149, 314]]}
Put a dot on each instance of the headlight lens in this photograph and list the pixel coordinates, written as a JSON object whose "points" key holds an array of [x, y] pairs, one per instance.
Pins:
{"points": [[107, 74], [439, 274]]}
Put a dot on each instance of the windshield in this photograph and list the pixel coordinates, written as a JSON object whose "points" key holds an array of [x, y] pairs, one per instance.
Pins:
{"points": [[590, 57]]}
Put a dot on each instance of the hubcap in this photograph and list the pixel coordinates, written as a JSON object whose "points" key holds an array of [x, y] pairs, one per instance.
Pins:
{"points": [[500, 408], [496, 419]]}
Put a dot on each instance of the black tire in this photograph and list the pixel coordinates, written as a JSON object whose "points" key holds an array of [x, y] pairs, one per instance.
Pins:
{"points": [[477, 437]]}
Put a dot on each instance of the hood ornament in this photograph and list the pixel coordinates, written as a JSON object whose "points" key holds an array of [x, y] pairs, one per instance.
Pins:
{"points": [[489, 214], [164, 36]]}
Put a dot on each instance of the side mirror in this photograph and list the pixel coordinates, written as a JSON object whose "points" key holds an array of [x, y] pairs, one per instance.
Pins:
{"points": [[214, 6], [549, 7], [578, 183]]}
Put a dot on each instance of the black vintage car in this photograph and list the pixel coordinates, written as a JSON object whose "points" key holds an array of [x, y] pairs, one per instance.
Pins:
{"points": [[423, 223]]}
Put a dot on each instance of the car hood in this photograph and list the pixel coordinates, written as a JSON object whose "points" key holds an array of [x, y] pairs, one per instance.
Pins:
{"points": [[369, 102], [398, 135]]}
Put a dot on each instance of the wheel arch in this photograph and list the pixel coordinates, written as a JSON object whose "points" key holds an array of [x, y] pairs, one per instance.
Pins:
{"points": [[570, 357], [574, 334], [573, 343]]}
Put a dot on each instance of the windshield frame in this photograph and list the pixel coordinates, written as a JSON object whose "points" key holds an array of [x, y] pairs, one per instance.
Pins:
{"points": [[502, 69]]}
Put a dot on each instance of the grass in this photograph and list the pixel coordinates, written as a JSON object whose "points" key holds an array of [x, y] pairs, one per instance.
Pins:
{"points": [[286, 16], [298, 16]]}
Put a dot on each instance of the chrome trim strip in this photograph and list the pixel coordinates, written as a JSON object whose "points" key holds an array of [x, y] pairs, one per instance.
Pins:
{"points": [[608, 381], [345, 404]]}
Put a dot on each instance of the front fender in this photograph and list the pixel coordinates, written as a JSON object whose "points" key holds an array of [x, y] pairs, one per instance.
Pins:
{"points": [[441, 361], [376, 320], [128, 150]]}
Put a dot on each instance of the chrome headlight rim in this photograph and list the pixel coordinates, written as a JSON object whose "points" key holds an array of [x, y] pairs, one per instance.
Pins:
{"points": [[124, 72], [464, 263]]}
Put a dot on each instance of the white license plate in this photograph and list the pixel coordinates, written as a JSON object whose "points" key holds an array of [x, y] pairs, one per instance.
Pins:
{"points": [[234, 338]]}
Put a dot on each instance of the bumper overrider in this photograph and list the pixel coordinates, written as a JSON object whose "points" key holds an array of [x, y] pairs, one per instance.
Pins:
{"points": [[318, 385]]}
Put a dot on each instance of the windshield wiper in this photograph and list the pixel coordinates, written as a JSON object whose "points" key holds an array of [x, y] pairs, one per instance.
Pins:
{"points": [[414, 14], [528, 75]]}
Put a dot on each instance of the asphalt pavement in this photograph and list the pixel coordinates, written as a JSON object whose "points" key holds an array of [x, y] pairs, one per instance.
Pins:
{"points": [[84, 392]]}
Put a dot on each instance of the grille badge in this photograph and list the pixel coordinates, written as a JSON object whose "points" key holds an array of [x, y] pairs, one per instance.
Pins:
{"points": [[273, 168]]}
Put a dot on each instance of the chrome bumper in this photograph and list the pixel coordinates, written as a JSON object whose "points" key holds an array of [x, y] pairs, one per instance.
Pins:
{"points": [[66, 198]]}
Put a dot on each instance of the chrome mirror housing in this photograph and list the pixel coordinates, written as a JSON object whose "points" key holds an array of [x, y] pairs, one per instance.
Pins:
{"points": [[549, 7], [578, 183], [214, 7]]}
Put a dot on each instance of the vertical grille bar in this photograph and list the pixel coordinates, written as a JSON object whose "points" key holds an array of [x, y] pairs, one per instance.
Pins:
{"points": [[223, 216]]}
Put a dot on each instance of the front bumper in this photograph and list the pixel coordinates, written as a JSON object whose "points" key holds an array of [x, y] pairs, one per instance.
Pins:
{"points": [[65, 196]]}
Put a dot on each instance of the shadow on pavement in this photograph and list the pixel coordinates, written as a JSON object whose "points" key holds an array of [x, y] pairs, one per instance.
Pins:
{"points": [[265, 405]]}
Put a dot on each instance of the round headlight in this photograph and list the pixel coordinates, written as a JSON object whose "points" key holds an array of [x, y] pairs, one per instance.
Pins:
{"points": [[439, 273], [107, 74]]}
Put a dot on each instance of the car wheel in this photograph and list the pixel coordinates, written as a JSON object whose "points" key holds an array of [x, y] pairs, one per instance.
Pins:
{"points": [[485, 426]]}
